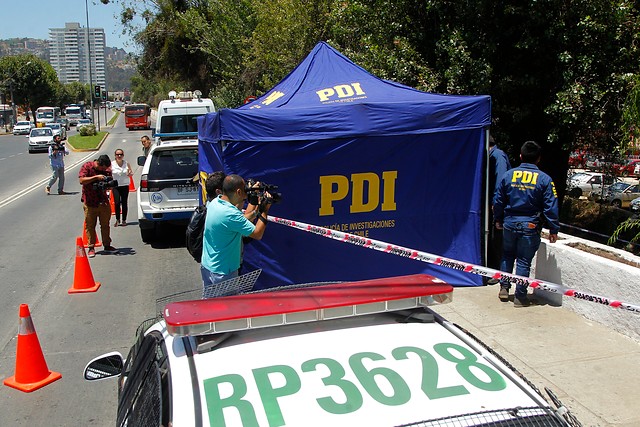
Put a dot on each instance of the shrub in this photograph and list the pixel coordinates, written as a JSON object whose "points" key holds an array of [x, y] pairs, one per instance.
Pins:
{"points": [[88, 130]]}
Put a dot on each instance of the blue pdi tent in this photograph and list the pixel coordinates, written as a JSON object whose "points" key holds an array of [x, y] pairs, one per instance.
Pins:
{"points": [[359, 154]]}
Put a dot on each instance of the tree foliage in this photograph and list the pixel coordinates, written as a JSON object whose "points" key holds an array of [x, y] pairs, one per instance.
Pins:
{"points": [[34, 81], [564, 73]]}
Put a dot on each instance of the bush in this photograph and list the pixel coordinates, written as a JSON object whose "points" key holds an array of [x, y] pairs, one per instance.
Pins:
{"points": [[592, 216], [88, 130]]}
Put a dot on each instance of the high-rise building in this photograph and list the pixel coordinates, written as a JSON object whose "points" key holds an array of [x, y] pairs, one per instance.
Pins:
{"points": [[70, 57]]}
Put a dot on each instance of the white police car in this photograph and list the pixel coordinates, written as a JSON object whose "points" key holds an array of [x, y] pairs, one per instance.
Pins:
{"points": [[366, 353]]}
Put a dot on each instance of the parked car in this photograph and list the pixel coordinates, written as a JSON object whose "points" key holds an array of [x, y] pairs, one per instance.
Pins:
{"points": [[626, 169], [577, 159], [83, 122], [588, 184], [40, 139], [167, 192], [635, 205], [64, 122], [58, 129], [594, 163], [365, 353], [621, 194], [23, 127]]}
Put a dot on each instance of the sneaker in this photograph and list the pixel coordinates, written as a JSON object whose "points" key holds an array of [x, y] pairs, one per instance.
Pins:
{"points": [[503, 294], [62, 192], [91, 253], [492, 281], [110, 250], [124, 224], [47, 190], [521, 302], [117, 223]]}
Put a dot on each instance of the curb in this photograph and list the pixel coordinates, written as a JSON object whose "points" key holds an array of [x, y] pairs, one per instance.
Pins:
{"points": [[78, 150]]}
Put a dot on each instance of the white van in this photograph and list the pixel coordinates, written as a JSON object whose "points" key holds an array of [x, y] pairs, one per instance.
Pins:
{"points": [[167, 190], [177, 115]]}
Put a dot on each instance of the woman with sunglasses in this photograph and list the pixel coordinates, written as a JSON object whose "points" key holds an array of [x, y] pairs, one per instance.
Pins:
{"points": [[121, 171]]}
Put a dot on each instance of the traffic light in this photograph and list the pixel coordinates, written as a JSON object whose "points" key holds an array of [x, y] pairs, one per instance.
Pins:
{"points": [[104, 95], [96, 91]]}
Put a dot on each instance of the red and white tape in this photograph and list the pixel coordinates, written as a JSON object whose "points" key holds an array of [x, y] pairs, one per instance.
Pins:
{"points": [[452, 263]]}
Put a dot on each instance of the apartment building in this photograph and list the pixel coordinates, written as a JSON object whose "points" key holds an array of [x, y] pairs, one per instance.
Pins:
{"points": [[71, 58]]}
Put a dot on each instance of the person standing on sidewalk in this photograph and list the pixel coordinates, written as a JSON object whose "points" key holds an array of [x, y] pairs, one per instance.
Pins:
{"points": [[524, 197], [121, 171], [57, 151], [498, 165], [93, 175]]}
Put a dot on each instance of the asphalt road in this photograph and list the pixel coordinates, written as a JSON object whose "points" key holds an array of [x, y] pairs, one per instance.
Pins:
{"points": [[37, 258]]}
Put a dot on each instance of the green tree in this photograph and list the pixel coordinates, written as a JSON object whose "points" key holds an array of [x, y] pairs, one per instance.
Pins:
{"points": [[34, 81]]}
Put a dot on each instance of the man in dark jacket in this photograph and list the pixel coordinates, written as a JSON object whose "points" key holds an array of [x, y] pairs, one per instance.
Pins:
{"points": [[525, 197]]}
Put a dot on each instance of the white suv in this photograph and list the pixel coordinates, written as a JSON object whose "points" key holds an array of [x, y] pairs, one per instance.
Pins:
{"points": [[167, 191]]}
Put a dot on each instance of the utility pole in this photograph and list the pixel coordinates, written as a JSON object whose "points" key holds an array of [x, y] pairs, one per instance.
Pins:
{"points": [[86, 8]]}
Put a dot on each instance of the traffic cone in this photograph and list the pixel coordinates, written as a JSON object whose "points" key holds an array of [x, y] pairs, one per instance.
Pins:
{"points": [[85, 239], [31, 368], [132, 187], [112, 203], [82, 277]]}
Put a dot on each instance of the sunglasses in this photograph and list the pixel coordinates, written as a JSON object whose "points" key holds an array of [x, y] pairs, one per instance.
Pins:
{"points": [[119, 154]]}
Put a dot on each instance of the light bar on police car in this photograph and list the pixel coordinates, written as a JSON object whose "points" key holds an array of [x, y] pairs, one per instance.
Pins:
{"points": [[300, 305]]}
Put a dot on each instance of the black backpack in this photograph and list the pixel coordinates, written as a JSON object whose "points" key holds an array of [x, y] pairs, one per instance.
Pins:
{"points": [[195, 232]]}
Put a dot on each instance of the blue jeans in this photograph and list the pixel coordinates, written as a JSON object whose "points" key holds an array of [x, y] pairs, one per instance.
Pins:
{"points": [[209, 280], [519, 246], [57, 173]]}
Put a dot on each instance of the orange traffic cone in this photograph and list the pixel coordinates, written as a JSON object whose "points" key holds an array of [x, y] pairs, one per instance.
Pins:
{"points": [[31, 368], [85, 239], [132, 187], [82, 277], [112, 203]]}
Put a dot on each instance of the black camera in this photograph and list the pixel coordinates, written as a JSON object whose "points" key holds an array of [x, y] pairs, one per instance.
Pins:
{"points": [[267, 192], [58, 146], [108, 182]]}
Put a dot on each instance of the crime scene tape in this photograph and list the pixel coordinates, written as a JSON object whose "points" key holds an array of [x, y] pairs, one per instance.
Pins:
{"points": [[452, 263]]}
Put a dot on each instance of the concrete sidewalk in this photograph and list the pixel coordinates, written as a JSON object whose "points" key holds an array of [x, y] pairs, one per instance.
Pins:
{"points": [[593, 370]]}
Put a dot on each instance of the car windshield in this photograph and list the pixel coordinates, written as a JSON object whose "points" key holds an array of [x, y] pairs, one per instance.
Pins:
{"points": [[41, 132], [580, 176], [54, 126], [22, 124], [619, 187]]}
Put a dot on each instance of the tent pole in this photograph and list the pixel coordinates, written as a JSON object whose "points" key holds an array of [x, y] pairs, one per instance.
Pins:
{"points": [[487, 204]]}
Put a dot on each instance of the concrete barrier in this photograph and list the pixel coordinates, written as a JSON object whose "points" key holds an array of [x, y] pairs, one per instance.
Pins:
{"points": [[577, 269]]}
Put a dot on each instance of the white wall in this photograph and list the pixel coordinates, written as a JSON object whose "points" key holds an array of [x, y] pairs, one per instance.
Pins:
{"points": [[576, 269]]}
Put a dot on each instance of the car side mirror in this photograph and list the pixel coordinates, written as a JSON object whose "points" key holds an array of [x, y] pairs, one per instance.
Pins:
{"points": [[105, 366], [141, 160]]}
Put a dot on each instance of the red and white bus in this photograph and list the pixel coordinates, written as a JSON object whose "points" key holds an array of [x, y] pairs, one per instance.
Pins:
{"points": [[137, 116]]}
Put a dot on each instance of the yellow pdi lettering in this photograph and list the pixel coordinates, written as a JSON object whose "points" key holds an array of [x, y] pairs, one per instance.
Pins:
{"points": [[272, 97], [325, 94], [332, 188], [358, 203], [365, 192], [341, 91]]}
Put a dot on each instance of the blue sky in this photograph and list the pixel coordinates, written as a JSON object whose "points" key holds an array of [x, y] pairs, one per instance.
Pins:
{"points": [[33, 18]]}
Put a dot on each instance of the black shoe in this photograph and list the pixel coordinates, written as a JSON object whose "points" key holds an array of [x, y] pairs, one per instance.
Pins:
{"points": [[110, 250], [503, 294], [521, 302]]}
